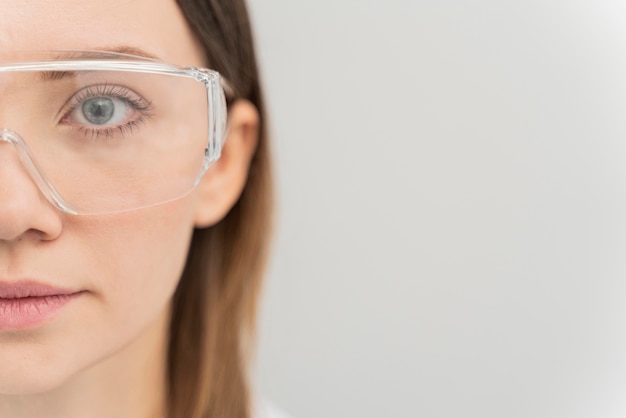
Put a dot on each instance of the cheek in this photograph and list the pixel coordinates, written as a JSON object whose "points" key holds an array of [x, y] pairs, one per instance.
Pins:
{"points": [[134, 263], [131, 264], [136, 259]]}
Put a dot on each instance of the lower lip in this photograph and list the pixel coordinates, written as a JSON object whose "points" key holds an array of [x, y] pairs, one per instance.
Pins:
{"points": [[23, 313]]}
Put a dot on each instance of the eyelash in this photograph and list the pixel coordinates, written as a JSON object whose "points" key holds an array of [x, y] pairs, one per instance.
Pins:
{"points": [[119, 92]]}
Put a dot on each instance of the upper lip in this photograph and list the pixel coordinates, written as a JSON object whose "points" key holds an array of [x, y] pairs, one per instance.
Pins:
{"points": [[30, 288]]}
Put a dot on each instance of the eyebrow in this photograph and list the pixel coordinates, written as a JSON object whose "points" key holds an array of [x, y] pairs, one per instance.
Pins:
{"points": [[93, 54], [119, 49]]}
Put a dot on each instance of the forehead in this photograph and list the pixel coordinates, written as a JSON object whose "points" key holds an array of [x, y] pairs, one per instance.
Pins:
{"points": [[155, 26]]}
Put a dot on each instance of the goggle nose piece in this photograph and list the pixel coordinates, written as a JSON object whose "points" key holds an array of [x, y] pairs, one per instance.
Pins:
{"points": [[7, 135], [36, 173]]}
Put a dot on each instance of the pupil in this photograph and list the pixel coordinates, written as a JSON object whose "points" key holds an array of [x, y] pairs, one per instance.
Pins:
{"points": [[98, 110]]}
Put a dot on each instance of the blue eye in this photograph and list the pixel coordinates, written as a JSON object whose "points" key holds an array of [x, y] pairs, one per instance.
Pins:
{"points": [[99, 110], [105, 109]]}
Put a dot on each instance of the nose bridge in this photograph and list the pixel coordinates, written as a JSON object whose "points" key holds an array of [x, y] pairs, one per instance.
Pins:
{"points": [[18, 166], [6, 81], [17, 189], [12, 167], [19, 172], [9, 153], [22, 205], [16, 101]]}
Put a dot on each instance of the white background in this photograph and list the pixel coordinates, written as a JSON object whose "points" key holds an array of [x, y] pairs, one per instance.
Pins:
{"points": [[452, 215]]}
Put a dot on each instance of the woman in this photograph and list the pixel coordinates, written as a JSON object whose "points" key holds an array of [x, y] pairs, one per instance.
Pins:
{"points": [[123, 291]]}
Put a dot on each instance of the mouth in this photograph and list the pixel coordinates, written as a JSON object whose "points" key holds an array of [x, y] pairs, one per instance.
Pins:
{"points": [[28, 304]]}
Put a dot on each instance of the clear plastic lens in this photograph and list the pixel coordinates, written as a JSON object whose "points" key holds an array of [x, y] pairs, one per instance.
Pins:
{"points": [[109, 140]]}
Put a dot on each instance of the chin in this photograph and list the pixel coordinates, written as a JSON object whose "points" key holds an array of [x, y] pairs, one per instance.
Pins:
{"points": [[23, 385], [30, 372]]}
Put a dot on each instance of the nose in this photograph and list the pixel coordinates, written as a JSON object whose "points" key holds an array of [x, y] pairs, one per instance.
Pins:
{"points": [[23, 208]]}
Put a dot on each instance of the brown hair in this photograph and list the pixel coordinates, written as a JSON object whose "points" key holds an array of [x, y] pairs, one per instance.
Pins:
{"points": [[214, 306]]}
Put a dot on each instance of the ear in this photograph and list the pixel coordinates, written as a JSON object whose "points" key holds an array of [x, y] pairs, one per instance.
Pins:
{"points": [[224, 181]]}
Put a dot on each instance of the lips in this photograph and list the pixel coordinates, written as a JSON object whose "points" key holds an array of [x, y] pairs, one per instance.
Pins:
{"points": [[28, 304], [25, 289]]}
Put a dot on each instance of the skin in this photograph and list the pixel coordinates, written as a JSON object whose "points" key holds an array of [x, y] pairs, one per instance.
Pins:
{"points": [[104, 354]]}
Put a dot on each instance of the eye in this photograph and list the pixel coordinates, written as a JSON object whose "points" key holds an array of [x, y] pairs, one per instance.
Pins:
{"points": [[105, 110], [101, 111]]}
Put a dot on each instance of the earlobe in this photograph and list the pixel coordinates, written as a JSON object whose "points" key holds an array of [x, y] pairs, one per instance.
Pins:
{"points": [[225, 180]]}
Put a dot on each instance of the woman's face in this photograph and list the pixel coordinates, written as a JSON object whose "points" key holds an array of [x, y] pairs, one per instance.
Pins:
{"points": [[128, 264]]}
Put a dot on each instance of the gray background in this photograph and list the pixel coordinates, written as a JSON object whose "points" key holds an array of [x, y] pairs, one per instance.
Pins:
{"points": [[452, 212]]}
